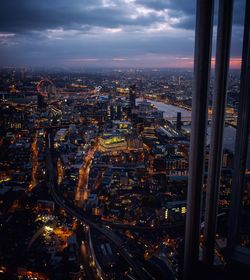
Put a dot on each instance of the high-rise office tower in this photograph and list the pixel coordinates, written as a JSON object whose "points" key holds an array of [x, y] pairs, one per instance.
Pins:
{"points": [[119, 112], [132, 96], [111, 112], [115, 111], [178, 121]]}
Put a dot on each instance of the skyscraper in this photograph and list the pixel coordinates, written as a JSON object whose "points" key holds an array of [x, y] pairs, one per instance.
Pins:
{"points": [[178, 121], [132, 96]]}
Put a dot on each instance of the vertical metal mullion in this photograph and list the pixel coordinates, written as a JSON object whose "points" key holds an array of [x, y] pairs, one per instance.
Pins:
{"points": [[202, 62], [241, 142], [224, 31]]}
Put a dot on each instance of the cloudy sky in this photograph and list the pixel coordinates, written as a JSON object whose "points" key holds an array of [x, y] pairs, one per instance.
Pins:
{"points": [[107, 33]]}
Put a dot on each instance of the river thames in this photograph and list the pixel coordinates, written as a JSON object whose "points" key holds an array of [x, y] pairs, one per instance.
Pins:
{"points": [[171, 111]]}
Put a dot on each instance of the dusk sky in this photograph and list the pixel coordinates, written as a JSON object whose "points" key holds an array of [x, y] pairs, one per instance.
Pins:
{"points": [[103, 33]]}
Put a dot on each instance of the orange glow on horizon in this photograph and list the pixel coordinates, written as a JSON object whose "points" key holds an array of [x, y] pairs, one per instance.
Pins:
{"points": [[235, 62], [188, 62], [155, 61]]}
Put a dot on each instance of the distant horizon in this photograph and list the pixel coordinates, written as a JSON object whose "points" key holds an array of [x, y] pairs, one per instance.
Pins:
{"points": [[235, 64], [105, 33]]}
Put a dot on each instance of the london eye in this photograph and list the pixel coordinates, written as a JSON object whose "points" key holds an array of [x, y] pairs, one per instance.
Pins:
{"points": [[45, 87]]}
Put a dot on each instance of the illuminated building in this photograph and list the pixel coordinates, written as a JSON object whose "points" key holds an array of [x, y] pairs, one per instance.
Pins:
{"points": [[124, 127], [145, 114], [112, 142], [175, 210], [13, 89], [145, 106], [61, 134], [149, 133], [60, 137], [169, 132], [115, 110], [46, 205], [122, 90], [96, 211], [111, 113], [134, 143], [16, 125]]}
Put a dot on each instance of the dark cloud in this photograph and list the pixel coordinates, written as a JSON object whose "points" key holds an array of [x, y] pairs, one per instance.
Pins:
{"points": [[51, 32], [185, 11], [22, 16], [103, 47], [184, 6]]}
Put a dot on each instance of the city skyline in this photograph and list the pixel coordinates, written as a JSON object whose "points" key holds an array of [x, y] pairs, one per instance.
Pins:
{"points": [[124, 33], [124, 139]]}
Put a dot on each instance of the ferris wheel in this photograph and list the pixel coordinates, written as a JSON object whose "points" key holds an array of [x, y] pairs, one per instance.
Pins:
{"points": [[45, 88]]}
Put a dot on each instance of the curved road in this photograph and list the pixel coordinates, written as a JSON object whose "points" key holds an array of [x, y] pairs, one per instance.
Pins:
{"points": [[116, 241]]}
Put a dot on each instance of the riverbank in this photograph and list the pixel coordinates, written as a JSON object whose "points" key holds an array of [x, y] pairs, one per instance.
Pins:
{"points": [[170, 111]]}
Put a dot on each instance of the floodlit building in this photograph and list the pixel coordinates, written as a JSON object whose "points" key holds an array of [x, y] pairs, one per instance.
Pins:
{"points": [[113, 141]]}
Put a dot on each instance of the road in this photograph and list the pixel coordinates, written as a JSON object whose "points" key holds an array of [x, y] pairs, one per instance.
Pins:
{"points": [[108, 233], [34, 154], [82, 187], [146, 227]]}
